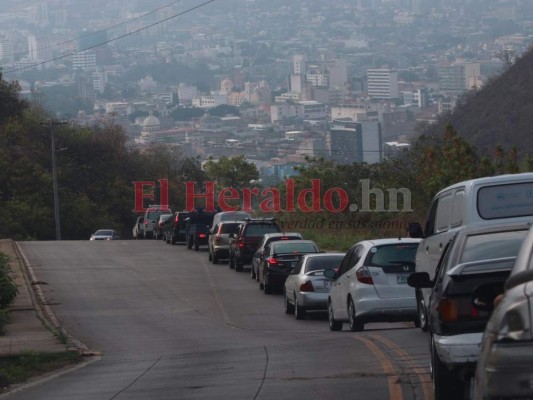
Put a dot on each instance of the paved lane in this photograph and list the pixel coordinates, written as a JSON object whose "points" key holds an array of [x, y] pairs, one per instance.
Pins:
{"points": [[171, 325]]}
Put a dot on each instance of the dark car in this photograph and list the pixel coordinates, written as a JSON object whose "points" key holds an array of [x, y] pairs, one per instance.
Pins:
{"points": [[471, 273], [197, 227], [244, 244], [505, 364], [279, 259], [268, 238], [174, 228]]}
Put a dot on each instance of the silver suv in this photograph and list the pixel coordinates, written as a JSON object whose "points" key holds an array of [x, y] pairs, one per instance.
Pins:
{"points": [[151, 216], [219, 240]]}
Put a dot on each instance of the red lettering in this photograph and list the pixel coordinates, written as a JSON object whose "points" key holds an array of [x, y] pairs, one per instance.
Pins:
{"points": [[247, 198], [289, 195], [233, 195], [271, 204], [208, 196], [140, 195], [314, 191], [328, 200], [163, 193]]}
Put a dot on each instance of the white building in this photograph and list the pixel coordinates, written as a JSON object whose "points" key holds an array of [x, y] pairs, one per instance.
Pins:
{"points": [[357, 112], [382, 83], [85, 60], [210, 101], [39, 48], [186, 93], [7, 53]]}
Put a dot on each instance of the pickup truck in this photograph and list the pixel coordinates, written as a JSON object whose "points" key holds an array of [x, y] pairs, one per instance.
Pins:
{"points": [[197, 227], [244, 244]]}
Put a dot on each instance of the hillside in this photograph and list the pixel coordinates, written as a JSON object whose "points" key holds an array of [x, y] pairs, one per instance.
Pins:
{"points": [[501, 113]]}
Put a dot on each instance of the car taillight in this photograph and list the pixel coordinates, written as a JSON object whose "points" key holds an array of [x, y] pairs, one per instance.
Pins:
{"points": [[451, 310], [241, 244], [307, 286], [202, 235], [272, 261], [363, 276], [146, 222]]}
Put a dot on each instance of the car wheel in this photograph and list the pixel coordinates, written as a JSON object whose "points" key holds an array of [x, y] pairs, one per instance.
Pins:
{"points": [[172, 240], [196, 245], [189, 243], [289, 308], [210, 256], [422, 320], [231, 262], [215, 258], [334, 325], [299, 311], [252, 272], [446, 384], [238, 266], [356, 325], [267, 287]]}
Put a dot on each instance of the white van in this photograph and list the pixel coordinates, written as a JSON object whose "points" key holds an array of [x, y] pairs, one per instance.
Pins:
{"points": [[477, 201]]}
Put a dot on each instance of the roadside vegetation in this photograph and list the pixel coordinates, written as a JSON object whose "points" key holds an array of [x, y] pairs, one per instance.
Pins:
{"points": [[21, 367], [8, 291]]}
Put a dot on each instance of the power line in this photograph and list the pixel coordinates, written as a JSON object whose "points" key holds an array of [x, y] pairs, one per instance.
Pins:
{"points": [[110, 40], [106, 29]]}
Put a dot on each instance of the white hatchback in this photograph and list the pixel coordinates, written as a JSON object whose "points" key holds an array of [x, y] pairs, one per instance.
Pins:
{"points": [[371, 284]]}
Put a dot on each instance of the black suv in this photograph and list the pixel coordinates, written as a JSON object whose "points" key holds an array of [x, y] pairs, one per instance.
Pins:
{"points": [[244, 244], [197, 227]]}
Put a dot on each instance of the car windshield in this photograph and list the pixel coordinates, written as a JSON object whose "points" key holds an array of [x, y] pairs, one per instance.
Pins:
{"points": [[388, 255], [318, 263], [293, 247], [201, 218], [103, 232], [155, 214], [492, 245], [260, 229]]}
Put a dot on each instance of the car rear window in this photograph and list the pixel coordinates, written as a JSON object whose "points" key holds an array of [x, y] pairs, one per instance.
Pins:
{"points": [[392, 255], [155, 214], [492, 245], [293, 247], [505, 201], [229, 228], [318, 263], [260, 229]]}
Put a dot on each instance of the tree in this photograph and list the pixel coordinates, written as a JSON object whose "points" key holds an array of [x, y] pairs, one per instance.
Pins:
{"points": [[234, 172]]}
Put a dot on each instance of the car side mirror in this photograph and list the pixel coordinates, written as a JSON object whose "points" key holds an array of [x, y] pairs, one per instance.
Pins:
{"points": [[484, 295], [330, 273], [414, 229], [420, 280]]}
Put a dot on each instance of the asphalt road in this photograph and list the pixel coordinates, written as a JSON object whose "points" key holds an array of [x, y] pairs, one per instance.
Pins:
{"points": [[171, 325]]}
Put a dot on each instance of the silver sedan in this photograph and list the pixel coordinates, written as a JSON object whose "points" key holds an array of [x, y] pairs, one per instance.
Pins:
{"points": [[307, 288]]}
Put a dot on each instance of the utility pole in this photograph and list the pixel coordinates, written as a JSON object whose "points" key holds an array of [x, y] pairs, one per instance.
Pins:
{"points": [[52, 124]]}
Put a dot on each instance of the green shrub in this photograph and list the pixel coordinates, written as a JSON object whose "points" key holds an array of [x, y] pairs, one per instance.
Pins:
{"points": [[8, 288], [4, 319]]}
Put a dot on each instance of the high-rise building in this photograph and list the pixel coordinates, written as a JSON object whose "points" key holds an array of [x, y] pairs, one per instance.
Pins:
{"points": [[7, 53], [85, 60], [299, 62], [382, 83], [355, 142], [39, 48], [454, 79]]}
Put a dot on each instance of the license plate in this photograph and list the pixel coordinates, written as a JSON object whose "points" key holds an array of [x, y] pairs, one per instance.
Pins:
{"points": [[402, 278], [327, 284]]}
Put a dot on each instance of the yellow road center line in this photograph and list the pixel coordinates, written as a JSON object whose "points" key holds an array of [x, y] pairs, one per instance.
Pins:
{"points": [[395, 389], [427, 387]]}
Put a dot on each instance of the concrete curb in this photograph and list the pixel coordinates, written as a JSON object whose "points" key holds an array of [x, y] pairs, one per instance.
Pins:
{"points": [[44, 311]]}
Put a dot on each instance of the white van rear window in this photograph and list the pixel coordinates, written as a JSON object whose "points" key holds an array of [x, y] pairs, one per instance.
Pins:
{"points": [[505, 201]]}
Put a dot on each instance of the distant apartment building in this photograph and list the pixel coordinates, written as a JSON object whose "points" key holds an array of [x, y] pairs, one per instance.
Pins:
{"points": [[382, 83], [357, 112], [456, 79], [84, 60], [299, 64], [210, 101], [7, 52], [355, 142], [99, 81], [39, 48], [301, 110], [418, 98]]}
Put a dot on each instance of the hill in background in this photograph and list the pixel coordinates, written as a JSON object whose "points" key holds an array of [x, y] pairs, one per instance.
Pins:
{"points": [[501, 113]]}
